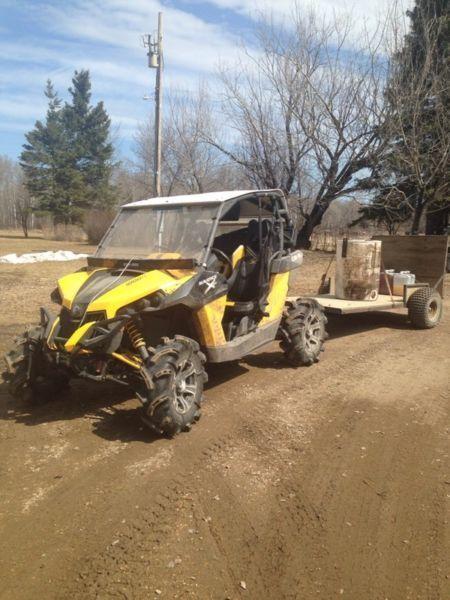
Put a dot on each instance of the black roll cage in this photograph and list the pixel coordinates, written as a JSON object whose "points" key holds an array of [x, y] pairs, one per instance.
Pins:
{"points": [[281, 215]]}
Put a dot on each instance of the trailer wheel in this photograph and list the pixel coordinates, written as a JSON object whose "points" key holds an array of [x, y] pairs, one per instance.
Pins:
{"points": [[302, 331], [175, 394], [425, 308]]}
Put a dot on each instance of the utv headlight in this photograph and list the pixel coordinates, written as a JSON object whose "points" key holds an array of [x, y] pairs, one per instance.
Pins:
{"points": [[77, 311], [153, 301], [55, 296]]}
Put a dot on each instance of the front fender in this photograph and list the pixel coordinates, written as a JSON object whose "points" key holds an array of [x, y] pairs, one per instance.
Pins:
{"points": [[47, 322]]}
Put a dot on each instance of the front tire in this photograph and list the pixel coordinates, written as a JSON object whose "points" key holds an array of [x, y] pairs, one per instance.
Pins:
{"points": [[30, 376], [302, 331], [177, 375]]}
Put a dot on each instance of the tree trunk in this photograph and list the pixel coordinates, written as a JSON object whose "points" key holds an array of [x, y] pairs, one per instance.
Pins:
{"points": [[417, 216], [437, 221], [312, 221], [25, 225], [391, 228]]}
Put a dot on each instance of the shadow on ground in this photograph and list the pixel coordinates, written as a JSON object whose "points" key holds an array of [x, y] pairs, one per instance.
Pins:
{"points": [[352, 324], [114, 412]]}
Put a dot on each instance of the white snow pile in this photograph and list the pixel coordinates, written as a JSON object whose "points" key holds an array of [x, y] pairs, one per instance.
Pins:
{"points": [[34, 257]]}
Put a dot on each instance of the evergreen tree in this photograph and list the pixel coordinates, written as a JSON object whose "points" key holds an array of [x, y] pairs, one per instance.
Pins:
{"points": [[90, 150], [389, 211], [426, 54], [415, 132], [42, 160], [67, 159]]}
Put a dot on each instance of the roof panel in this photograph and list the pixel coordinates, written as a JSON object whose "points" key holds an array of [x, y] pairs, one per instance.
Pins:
{"points": [[207, 198]]}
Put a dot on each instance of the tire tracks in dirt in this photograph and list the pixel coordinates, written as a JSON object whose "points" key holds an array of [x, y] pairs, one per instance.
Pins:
{"points": [[278, 550], [256, 491]]}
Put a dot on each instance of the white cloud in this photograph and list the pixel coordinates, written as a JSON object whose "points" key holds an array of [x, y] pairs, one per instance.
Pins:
{"points": [[21, 107], [365, 14], [189, 42], [105, 37]]}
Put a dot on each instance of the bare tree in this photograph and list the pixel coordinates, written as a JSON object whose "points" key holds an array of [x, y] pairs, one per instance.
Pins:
{"points": [[9, 182], [261, 95], [16, 206], [340, 216], [304, 108], [24, 208], [189, 164]]}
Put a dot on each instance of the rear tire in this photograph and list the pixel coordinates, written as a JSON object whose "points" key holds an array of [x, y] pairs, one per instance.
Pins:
{"points": [[302, 331], [177, 374], [425, 308]]}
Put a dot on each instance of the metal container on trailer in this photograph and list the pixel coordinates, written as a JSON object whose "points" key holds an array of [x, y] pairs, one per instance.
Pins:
{"points": [[400, 280], [358, 269]]}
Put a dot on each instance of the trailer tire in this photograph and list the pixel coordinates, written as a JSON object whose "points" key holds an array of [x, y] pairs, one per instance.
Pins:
{"points": [[302, 331], [425, 308], [177, 375]]}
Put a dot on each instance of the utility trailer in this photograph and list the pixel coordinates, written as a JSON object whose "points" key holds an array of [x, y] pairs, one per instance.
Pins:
{"points": [[426, 257]]}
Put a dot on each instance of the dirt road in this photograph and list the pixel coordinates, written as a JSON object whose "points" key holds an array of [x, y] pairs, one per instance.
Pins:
{"points": [[324, 482]]}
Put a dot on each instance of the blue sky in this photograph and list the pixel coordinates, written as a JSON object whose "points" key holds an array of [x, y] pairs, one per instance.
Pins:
{"points": [[42, 39]]}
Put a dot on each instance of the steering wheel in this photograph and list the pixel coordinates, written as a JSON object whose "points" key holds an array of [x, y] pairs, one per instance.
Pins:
{"points": [[225, 259]]}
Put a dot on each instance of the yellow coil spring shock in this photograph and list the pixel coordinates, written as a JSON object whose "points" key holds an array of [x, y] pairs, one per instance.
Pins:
{"points": [[137, 339]]}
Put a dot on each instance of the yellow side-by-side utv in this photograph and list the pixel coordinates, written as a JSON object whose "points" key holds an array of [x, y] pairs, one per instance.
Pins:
{"points": [[175, 283]]}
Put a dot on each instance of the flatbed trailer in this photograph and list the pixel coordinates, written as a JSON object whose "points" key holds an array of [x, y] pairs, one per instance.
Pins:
{"points": [[336, 306], [426, 257]]}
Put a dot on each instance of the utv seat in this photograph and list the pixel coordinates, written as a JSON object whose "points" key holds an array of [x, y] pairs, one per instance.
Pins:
{"points": [[244, 291]]}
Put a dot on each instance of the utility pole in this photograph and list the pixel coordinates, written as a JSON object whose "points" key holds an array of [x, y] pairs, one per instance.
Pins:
{"points": [[156, 61]]}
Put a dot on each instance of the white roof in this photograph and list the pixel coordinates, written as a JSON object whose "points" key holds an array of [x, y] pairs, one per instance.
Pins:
{"points": [[208, 198]]}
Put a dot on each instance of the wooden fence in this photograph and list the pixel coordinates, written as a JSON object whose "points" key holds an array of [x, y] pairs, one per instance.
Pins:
{"points": [[326, 241]]}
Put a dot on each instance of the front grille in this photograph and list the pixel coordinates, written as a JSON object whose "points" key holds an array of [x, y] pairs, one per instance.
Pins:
{"points": [[68, 325], [98, 315]]}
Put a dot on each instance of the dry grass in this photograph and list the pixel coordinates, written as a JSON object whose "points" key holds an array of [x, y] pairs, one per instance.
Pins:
{"points": [[64, 233], [306, 279], [24, 288], [13, 241]]}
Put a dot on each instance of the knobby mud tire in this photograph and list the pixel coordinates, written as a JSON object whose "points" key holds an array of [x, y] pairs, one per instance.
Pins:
{"points": [[175, 394], [302, 331], [29, 375]]}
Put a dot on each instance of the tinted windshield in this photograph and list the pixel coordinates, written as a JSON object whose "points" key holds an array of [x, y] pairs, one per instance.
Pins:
{"points": [[159, 232]]}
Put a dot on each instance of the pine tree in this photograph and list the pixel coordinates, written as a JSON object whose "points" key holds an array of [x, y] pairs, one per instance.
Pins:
{"points": [[90, 150], [67, 160], [42, 160]]}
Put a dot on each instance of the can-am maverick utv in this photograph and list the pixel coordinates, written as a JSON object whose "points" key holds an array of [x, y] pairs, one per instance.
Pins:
{"points": [[176, 282]]}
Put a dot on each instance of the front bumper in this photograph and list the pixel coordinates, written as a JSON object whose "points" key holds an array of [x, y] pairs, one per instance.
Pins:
{"points": [[102, 336]]}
